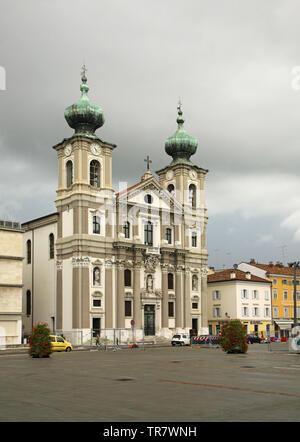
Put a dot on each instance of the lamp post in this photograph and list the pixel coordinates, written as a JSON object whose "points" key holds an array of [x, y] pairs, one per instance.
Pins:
{"points": [[295, 265]]}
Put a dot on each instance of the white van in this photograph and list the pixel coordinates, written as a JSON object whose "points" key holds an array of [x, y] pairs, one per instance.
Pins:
{"points": [[182, 339]]}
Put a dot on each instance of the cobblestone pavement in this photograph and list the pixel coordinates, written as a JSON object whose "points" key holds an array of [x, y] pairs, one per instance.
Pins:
{"points": [[162, 384]]}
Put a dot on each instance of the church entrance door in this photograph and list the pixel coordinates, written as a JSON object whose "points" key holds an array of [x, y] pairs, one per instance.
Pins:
{"points": [[149, 320]]}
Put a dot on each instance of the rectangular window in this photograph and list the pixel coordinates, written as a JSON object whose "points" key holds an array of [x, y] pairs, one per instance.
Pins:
{"points": [[96, 302], [285, 295], [244, 311], [286, 312], [126, 229], [169, 235], [275, 294], [267, 312], [298, 296], [275, 312], [244, 294], [194, 239], [148, 233], [255, 311], [217, 312], [284, 282], [171, 309], [128, 309], [255, 294], [267, 297], [216, 295], [96, 224], [195, 305]]}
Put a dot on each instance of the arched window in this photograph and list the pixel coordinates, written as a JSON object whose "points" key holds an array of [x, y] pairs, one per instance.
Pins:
{"points": [[96, 276], [96, 224], [171, 189], [195, 282], [28, 251], [170, 281], [69, 172], [126, 229], [192, 196], [127, 278], [169, 235], [148, 233], [51, 246], [28, 303], [95, 173]]}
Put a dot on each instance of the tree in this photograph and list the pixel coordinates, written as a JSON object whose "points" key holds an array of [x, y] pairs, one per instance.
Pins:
{"points": [[39, 341], [233, 337]]}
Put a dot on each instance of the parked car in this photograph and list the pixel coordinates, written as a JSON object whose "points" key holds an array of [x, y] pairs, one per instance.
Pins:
{"points": [[58, 343], [182, 339], [251, 339]]}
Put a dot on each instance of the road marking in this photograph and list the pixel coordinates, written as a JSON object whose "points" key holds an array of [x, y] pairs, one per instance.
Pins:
{"points": [[288, 368], [226, 387]]}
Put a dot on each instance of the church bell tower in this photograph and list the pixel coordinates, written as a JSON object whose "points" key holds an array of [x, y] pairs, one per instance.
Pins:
{"points": [[83, 195]]}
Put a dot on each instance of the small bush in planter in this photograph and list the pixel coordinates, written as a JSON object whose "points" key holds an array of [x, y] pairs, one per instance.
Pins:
{"points": [[233, 337], [40, 342]]}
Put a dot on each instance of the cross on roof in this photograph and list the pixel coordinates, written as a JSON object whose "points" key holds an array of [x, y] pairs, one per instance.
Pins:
{"points": [[148, 161], [83, 70]]}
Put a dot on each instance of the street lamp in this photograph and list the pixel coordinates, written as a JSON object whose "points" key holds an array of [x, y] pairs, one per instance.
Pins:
{"points": [[295, 264]]}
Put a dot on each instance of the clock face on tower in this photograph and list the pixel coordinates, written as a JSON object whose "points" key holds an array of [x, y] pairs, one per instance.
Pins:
{"points": [[68, 149], [95, 148], [193, 174]]}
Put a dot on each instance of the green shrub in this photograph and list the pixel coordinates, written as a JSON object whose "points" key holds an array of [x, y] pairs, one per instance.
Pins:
{"points": [[39, 341], [233, 337]]}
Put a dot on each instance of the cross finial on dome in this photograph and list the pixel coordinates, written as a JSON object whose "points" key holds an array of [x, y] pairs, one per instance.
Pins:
{"points": [[83, 71], [180, 119]]}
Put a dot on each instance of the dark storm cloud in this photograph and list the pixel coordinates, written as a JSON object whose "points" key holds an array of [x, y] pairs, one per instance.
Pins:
{"points": [[229, 62]]}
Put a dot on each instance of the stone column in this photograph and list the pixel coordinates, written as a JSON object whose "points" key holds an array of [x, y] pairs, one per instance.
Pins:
{"points": [[75, 295], [85, 298], [178, 292], [204, 320], [187, 298], [137, 311], [165, 296], [108, 295], [120, 295], [59, 303]]}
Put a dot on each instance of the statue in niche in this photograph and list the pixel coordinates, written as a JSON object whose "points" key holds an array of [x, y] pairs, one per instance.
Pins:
{"points": [[96, 277], [149, 283]]}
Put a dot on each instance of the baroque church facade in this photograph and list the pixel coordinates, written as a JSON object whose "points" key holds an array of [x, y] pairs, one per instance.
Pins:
{"points": [[132, 260]]}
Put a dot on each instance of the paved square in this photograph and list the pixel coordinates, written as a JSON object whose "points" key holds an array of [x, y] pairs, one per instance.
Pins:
{"points": [[157, 384]]}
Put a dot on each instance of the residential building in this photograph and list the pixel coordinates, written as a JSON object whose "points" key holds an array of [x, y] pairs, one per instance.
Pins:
{"points": [[11, 257], [234, 294], [282, 279]]}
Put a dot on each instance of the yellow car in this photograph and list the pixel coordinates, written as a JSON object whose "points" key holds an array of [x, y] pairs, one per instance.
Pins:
{"points": [[60, 344]]}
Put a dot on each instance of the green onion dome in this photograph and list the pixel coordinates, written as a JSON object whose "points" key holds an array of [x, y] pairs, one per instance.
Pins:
{"points": [[84, 116], [181, 146]]}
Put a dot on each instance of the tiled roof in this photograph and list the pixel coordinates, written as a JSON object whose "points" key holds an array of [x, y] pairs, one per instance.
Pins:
{"points": [[225, 275], [133, 187], [275, 269]]}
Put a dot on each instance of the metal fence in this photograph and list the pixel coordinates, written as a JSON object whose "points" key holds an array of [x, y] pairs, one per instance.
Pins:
{"points": [[112, 338], [205, 341]]}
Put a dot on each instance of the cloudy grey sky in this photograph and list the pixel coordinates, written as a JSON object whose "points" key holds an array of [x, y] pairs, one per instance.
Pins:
{"points": [[230, 62]]}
